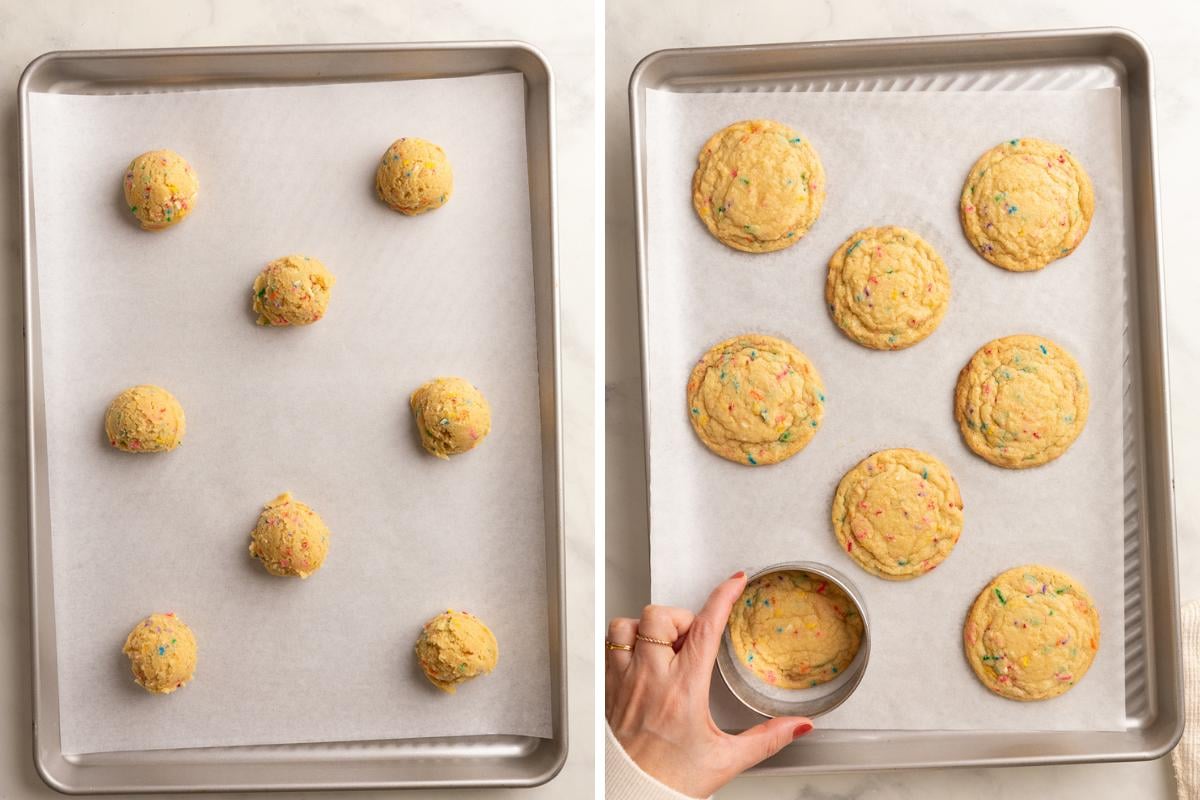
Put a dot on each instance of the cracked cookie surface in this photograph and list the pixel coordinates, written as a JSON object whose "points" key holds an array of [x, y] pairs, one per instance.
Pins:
{"points": [[755, 399], [898, 513], [1032, 633], [1026, 203], [887, 288], [1021, 401], [759, 186]]}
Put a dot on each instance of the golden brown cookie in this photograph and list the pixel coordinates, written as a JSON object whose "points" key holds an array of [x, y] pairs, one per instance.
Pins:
{"points": [[1032, 633], [759, 186], [887, 288], [1025, 203], [755, 399], [898, 513], [1021, 401], [794, 629]]}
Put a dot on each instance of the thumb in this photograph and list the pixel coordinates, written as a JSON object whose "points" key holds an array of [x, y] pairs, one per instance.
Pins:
{"points": [[766, 739]]}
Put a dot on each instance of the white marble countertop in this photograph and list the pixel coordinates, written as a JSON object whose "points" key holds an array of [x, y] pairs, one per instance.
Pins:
{"points": [[563, 31], [635, 29]]}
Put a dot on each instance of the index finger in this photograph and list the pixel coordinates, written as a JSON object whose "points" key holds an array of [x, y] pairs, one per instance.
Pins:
{"points": [[704, 637]]}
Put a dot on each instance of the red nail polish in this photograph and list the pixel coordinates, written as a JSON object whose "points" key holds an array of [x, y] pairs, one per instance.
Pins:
{"points": [[801, 730], [737, 574]]}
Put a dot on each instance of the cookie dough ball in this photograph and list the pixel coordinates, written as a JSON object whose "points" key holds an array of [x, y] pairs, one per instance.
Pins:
{"points": [[162, 653], [898, 513], [1021, 401], [794, 629], [887, 288], [414, 176], [1032, 634], [755, 399], [145, 419], [1025, 203], [290, 539], [455, 647], [293, 290], [452, 416], [160, 189], [759, 186]]}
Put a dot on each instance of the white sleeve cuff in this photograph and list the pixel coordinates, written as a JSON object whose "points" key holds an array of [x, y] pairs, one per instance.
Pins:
{"points": [[625, 780]]}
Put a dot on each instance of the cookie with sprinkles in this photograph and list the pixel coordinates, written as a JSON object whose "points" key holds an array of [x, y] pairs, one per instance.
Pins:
{"points": [[755, 399], [162, 653], [414, 176], [1032, 633], [794, 629], [759, 186], [160, 189], [898, 513], [1021, 401], [887, 288], [293, 290], [455, 647], [1025, 203]]}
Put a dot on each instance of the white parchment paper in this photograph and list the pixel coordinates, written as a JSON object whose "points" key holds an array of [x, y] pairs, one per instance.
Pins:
{"points": [[321, 411], [899, 159]]}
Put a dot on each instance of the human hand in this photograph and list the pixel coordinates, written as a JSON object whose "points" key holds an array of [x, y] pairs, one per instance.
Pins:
{"points": [[656, 697]]}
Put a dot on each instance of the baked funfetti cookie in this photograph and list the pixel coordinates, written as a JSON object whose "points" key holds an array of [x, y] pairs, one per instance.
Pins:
{"points": [[162, 653], [290, 539], [455, 647], [1025, 203], [160, 189], [293, 290], [794, 630], [759, 186], [755, 399], [451, 415], [1021, 401], [887, 288], [1032, 633], [414, 176], [898, 513], [145, 419]]}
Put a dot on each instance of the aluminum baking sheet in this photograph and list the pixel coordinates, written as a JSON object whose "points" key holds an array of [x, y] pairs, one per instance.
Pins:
{"points": [[123, 538], [746, 80]]}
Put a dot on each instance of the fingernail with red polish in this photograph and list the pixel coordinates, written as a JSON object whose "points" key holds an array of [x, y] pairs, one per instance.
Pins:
{"points": [[737, 574], [801, 730]]}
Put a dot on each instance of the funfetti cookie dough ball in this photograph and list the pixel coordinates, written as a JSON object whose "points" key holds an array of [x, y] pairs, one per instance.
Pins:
{"points": [[455, 647], [160, 189], [414, 176], [452, 416], [1025, 203], [162, 653], [293, 290], [758, 186], [290, 539], [145, 419]]}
